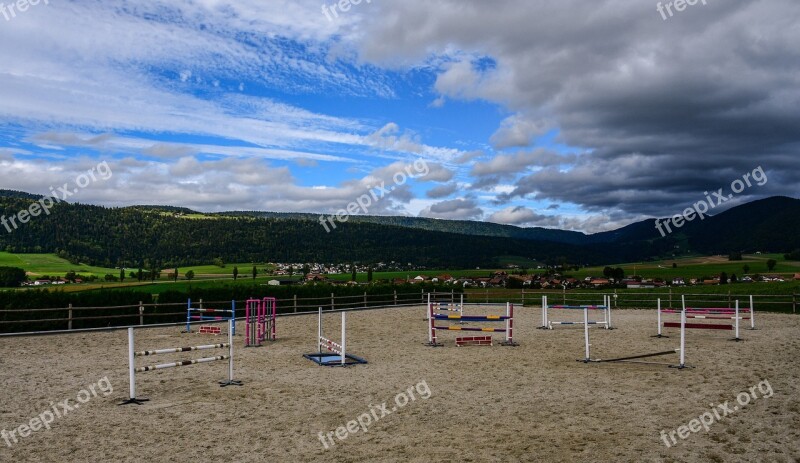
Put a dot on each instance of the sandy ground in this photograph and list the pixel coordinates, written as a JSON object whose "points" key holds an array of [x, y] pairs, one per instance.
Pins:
{"points": [[528, 403]]}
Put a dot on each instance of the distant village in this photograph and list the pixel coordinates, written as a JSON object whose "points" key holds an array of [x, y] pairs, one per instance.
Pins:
{"points": [[513, 277]]}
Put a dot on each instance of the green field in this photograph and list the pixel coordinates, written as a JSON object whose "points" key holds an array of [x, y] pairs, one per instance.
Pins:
{"points": [[211, 275], [696, 267], [49, 264]]}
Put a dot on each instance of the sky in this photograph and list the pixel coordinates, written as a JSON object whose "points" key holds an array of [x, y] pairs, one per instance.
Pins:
{"points": [[567, 114]]}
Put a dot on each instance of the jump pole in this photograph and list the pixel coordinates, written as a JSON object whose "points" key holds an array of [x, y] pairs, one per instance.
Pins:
{"points": [[660, 334], [544, 312], [752, 314], [633, 358], [132, 354], [344, 338], [132, 370], [683, 341], [586, 331], [344, 334], [547, 325], [202, 317], [737, 338]]}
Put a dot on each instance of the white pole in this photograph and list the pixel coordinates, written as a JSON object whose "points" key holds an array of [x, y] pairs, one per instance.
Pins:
{"points": [[319, 330], [586, 331], [683, 301], [544, 311], [737, 319], [431, 325], [752, 314], [344, 337], [659, 317], [608, 311], [429, 304], [508, 320], [683, 338], [131, 368], [461, 309]]}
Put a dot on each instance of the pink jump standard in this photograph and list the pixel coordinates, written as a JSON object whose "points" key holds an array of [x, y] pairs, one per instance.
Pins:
{"points": [[260, 317]]}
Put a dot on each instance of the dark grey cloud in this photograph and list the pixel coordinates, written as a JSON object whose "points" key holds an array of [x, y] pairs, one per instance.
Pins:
{"points": [[661, 110], [454, 209], [442, 191]]}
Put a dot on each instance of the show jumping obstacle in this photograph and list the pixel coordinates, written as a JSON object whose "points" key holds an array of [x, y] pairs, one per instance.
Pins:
{"points": [[508, 319], [605, 307], [734, 315], [260, 318], [446, 307], [132, 354], [335, 353], [208, 314], [638, 358]]}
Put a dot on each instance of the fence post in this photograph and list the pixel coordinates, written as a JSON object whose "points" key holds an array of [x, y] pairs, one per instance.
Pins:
{"points": [[69, 322], [729, 299], [794, 303], [333, 302], [670, 298], [395, 297], [564, 294], [365, 299], [201, 304], [421, 296], [523, 297], [487, 294], [616, 306], [452, 296], [295, 303], [141, 313]]}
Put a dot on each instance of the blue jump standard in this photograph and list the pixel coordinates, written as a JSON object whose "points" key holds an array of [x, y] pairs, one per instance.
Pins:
{"points": [[334, 360]]}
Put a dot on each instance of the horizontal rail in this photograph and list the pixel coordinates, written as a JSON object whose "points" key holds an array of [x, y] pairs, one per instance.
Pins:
{"points": [[174, 350], [181, 363]]}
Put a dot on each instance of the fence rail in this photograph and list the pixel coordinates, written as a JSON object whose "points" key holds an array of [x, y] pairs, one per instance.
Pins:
{"points": [[14, 321], [81, 318]]}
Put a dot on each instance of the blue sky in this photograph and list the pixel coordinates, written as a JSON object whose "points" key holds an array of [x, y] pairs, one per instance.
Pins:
{"points": [[584, 117]]}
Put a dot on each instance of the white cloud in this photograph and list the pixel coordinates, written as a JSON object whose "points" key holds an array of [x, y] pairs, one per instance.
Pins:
{"points": [[454, 209]]}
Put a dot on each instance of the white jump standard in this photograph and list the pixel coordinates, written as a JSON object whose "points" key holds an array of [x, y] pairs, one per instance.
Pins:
{"points": [[132, 354], [334, 353], [547, 324], [681, 351]]}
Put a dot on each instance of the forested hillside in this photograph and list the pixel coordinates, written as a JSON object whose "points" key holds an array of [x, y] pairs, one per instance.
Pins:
{"points": [[168, 236], [129, 236]]}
